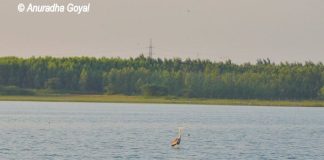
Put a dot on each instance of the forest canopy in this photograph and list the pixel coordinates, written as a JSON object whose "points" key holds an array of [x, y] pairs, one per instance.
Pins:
{"points": [[163, 77]]}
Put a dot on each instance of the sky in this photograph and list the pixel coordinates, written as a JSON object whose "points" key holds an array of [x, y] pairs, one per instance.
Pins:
{"points": [[240, 30]]}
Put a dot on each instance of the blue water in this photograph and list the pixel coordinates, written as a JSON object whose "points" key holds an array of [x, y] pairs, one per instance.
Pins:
{"points": [[34, 130]]}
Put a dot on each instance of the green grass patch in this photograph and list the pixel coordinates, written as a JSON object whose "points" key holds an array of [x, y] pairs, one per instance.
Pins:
{"points": [[165, 100]]}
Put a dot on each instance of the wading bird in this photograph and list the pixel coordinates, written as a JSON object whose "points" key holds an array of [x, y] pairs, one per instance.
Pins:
{"points": [[176, 141]]}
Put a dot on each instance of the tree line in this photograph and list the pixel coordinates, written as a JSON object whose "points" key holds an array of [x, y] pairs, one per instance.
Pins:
{"points": [[163, 77]]}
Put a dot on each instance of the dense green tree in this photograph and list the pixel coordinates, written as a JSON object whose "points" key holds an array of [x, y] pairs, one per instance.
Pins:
{"points": [[162, 77], [154, 90], [321, 93], [53, 83]]}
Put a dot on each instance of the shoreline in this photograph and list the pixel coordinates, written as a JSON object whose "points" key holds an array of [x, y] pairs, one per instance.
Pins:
{"points": [[163, 100]]}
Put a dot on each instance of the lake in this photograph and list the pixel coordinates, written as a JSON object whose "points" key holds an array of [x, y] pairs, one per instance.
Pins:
{"points": [[41, 130]]}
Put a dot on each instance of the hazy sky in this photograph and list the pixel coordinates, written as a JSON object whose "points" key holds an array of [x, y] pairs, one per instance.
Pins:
{"points": [[241, 30]]}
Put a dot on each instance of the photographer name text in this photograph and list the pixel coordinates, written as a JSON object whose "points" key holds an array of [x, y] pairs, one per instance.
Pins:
{"points": [[54, 8]]}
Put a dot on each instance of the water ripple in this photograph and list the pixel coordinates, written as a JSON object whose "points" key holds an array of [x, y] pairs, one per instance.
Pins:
{"points": [[31, 130]]}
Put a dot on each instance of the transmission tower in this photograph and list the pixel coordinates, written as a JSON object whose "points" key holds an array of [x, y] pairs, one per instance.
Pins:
{"points": [[150, 49]]}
